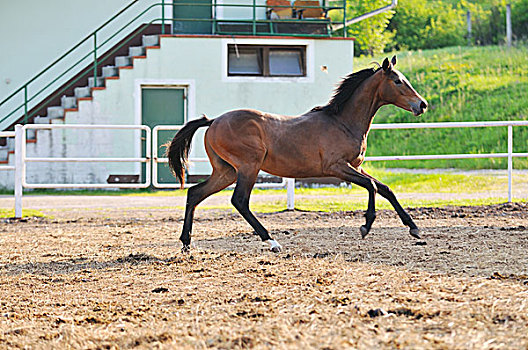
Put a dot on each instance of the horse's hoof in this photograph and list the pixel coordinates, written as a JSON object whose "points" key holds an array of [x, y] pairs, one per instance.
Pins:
{"points": [[363, 230], [415, 232], [276, 249], [274, 246], [186, 249]]}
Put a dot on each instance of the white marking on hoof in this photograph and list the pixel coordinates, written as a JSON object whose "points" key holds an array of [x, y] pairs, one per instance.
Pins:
{"points": [[274, 245]]}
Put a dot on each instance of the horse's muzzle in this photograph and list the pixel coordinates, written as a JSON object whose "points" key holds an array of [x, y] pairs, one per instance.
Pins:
{"points": [[419, 107]]}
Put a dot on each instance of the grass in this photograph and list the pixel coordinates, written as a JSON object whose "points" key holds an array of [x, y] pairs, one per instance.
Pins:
{"points": [[10, 213], [334, 198], [460, 84], [398, 181]]}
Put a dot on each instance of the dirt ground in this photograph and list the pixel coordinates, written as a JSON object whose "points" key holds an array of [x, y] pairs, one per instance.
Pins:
{"points": [[105, 277]]}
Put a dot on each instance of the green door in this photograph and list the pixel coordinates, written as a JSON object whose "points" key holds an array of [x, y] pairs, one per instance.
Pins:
{"points": [[162, 106], [200, 10]]}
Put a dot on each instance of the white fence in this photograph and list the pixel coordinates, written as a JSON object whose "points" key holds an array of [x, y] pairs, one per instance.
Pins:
{"points": [[152, 159]]}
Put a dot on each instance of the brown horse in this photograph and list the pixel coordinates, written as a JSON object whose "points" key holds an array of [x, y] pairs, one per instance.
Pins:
{"points": [[328, 141]]}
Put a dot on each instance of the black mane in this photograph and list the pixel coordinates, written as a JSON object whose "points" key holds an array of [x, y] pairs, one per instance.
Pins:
{"points": [[345, 90]]}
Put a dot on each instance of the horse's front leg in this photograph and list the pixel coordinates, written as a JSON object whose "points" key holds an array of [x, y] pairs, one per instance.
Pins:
{"points": [[345, 172], [387, 193]]}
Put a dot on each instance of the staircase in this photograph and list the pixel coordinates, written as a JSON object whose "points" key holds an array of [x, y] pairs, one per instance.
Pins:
{"points": [[110, 72], [69, 104]]}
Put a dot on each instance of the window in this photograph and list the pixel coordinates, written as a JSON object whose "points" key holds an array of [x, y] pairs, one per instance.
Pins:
{"points": [[266, 61]]}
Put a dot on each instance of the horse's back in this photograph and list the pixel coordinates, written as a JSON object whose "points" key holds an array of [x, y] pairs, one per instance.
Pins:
{"points": [[245, 125], [241, 136]]}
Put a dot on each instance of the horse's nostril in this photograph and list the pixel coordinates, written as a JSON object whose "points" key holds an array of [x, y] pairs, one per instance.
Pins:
{"points": [[423, 105]]}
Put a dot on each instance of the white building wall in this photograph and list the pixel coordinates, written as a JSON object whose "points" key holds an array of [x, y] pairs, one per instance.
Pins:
{"points": [[200, 64]]}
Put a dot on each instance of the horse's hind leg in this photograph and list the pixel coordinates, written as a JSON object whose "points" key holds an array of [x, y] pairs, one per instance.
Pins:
{"points": [[240, 200], [387, 193], [223, 175]]}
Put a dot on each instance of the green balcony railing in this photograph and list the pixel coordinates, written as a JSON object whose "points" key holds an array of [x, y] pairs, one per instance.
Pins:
{"points": [[17, 107]]}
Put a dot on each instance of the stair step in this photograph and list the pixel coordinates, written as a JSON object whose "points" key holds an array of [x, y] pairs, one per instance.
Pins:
{"points": [[82, 92], [69, 102], [150, 40], [136, 51], [123, 61], [55, 112], [41, 120], [100, 82], [110, 71]]}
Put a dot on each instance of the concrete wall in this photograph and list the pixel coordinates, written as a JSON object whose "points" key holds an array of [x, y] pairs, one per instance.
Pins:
{"points": [[199, 65]]}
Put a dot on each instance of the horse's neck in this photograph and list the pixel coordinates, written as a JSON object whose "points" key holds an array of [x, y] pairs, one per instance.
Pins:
{"points": [[360, 109]]}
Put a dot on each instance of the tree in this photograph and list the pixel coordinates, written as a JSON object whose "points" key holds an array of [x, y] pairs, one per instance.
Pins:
{"points": [[370, 34], [421, 24]]}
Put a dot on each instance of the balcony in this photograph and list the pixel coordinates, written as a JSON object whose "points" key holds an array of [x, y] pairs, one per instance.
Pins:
{"points": [[260, 18]]}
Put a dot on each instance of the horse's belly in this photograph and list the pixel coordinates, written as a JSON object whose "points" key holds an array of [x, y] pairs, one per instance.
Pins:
{"points": [[290, 167]]}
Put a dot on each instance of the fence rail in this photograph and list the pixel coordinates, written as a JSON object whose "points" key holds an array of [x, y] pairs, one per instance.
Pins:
{"points": [[510, 155], [152, 159], [145, 159]]}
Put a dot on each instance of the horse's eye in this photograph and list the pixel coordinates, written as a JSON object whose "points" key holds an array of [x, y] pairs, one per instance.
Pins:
{"points": [[397, 82]]}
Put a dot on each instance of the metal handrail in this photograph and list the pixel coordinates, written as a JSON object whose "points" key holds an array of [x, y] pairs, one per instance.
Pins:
{"points": [[98, 45]]}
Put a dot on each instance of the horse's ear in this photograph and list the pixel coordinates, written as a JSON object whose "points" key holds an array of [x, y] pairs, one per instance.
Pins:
{"points": [[387, 67], [393, 60]]}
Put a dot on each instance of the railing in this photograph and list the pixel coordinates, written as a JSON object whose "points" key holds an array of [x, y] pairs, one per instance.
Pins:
{"points": [[21, 159], [510, 155], [145, 159], [92, 58], [151, 160]]}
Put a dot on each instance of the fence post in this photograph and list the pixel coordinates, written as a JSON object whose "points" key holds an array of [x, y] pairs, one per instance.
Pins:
{"points": [[290, 189], [18, 170], [510, 161]]}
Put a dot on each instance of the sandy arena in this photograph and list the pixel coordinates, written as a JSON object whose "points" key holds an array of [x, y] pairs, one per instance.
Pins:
{"points": [[104, 277]]}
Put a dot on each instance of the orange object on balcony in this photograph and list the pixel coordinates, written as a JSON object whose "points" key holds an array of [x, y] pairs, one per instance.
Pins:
{"points": [[308, 9], [279, 9]]}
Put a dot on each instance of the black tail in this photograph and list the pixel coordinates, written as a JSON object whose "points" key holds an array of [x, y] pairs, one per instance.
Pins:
{"points": [[178, 149]]}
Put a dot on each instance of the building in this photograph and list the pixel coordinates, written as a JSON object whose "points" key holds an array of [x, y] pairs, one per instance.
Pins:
{"points": [[157, 63]]}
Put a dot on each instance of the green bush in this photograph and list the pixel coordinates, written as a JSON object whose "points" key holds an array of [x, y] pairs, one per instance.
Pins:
{"points": [[421, 24], [370, 34], [520, 19]]}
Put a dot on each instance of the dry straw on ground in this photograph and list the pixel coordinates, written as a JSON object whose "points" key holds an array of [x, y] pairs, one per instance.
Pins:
{"points": [[117, 279]]}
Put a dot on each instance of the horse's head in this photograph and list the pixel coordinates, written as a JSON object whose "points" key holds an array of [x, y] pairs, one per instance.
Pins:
{"points": [[395, 89]]}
